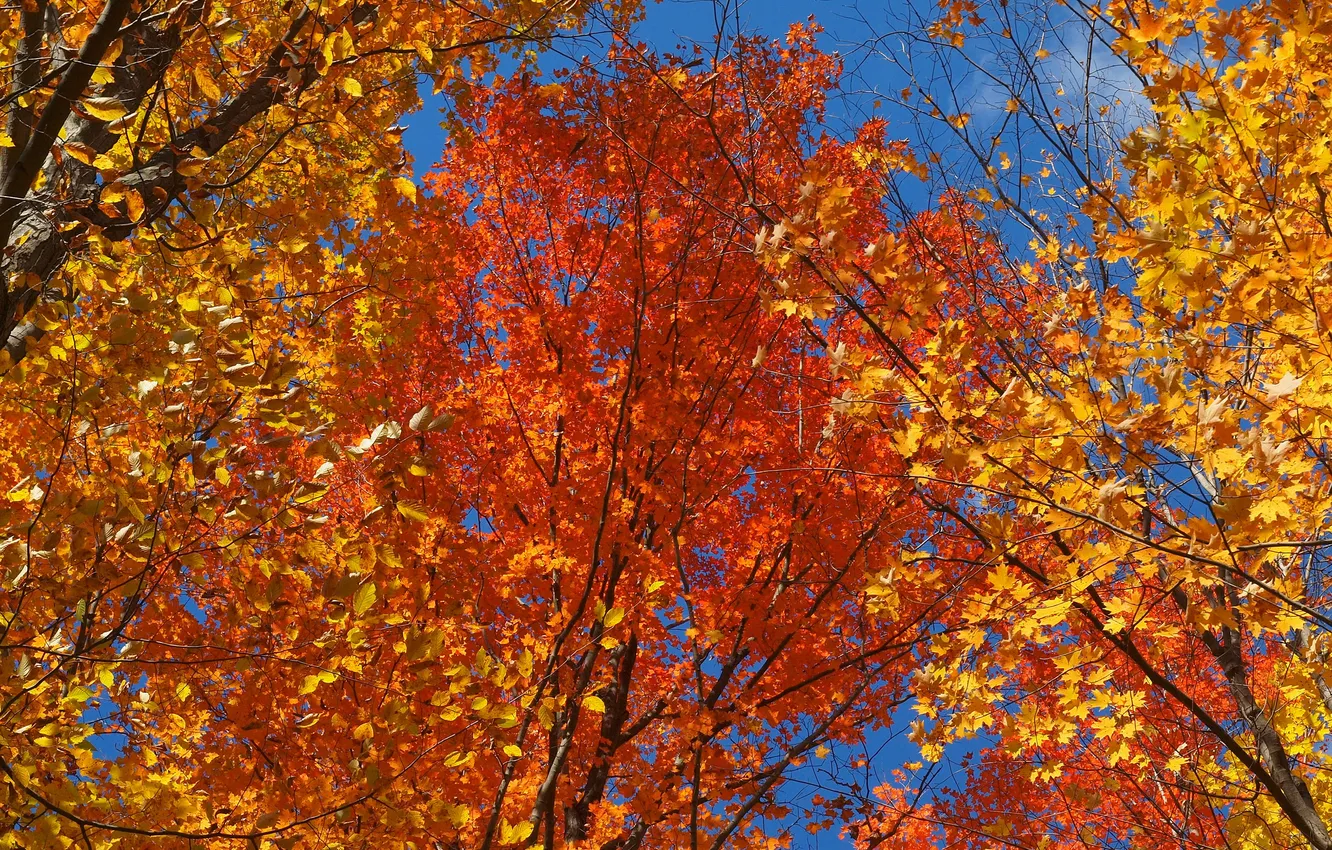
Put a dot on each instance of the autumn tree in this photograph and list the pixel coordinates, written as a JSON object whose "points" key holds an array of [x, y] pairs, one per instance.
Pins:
{"points": [[1137, 476], [172, 175], [479, 522], [609, 602], [147, 118], [644, 475]]}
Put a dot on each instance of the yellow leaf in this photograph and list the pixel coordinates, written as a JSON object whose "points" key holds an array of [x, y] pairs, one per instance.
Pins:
{"points": [[1001, 578], [104, 108], [122, 125], [413, 511], [310, 496], [232, 32], [133, 204], [190, 166], [458, 815], [293, 244], [309, 683], [613, 617], [83, 153], [457, 759], [365, 597], [352, 86], [407, 189], [594, 703], [512, 751], [513, 834], [207, 85]]}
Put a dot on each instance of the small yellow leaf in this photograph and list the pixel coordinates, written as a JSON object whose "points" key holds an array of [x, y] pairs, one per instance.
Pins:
{"points": [[123, 124], [293, 244], [413, 511], [512, 751], [513, 834], [352, 86], [407, 189], [613, 617], [133, 204], [594, 703], [104, 108], [190, 166], [83, 153], [365, 597], [207, 85], [310, 496], [458, 815], [232, 32]]}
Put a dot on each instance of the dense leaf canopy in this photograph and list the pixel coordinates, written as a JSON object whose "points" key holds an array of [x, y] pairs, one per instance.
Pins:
{"points": [[663, 468]]}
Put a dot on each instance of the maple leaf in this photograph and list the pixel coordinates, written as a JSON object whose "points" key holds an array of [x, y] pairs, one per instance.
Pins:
{"points": [[1288, 384]]}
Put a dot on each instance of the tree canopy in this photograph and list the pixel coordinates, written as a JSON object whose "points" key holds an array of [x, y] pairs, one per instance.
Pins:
{"points": [[679, 461]]}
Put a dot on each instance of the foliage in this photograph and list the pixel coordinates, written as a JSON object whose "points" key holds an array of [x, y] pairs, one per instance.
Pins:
{"points": [[651, 474], [1137, 472]]}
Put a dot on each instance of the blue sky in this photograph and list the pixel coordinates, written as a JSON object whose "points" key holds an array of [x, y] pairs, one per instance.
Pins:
{"points": [[667, 24]]}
